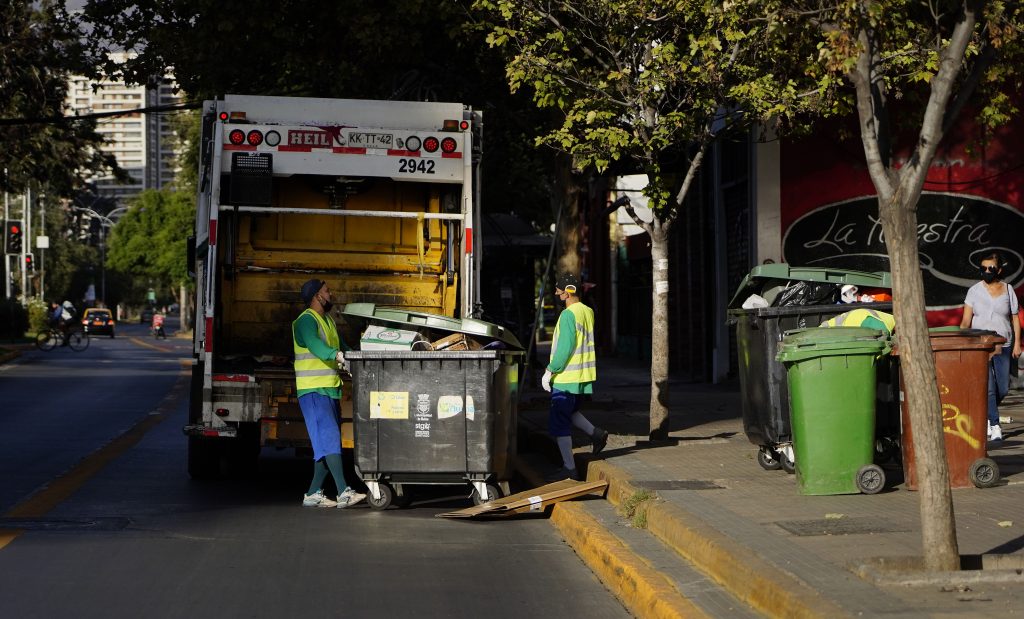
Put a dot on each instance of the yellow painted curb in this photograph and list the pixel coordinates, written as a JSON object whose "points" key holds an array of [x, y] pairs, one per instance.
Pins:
{"points": [[748, 577], [644, 591]]}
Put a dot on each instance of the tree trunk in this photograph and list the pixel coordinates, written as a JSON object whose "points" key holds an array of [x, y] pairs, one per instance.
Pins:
{"points": [[569, 232], [659, 426], [917, 364]]}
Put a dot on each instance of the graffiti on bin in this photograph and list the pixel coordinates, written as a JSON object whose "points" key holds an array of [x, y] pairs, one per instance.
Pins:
{"points": [[956, 422]]}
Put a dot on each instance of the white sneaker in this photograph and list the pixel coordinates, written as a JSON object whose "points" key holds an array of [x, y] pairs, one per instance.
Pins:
{"points": [[317, 499], [995, 433], [349, 497]]}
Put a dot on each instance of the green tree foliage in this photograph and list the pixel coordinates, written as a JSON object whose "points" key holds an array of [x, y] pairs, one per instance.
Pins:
{"points": [[39, 48], [637, 81], [149, 241], [649, 84], [71, 265]]}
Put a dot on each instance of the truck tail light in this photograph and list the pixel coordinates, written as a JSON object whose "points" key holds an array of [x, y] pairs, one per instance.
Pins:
{"points": [[273, 138], [236, 137], [412, 143], [448, 145], [255, 138], [431, 144], [222, 412]]}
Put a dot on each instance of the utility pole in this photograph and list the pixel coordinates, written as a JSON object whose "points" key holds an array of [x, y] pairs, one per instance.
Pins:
{"points": [[7, 259], [41, 247], [25, 236]]}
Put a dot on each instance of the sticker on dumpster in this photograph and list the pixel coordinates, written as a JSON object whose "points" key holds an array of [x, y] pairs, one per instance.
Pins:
{"points": [[389, 405], [423, 416], [449, 406], [470, 409]]}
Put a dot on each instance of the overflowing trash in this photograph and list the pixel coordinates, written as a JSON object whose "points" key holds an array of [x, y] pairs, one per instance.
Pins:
{"points": [[434, 401]]}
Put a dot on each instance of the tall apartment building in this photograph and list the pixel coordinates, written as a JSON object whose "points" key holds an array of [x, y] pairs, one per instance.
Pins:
{"points": [[143, 144]]}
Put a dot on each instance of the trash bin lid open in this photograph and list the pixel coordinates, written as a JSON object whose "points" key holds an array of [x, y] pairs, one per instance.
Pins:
{"points": [[406, 319], [766, 275]]}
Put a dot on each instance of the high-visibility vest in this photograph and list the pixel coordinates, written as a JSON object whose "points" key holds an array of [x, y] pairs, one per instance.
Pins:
{"points": [[311, 372], [855, 318], [582, 365]]}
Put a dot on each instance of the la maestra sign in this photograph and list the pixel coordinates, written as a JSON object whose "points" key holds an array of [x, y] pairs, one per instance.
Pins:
{"points": [[954, 232]]}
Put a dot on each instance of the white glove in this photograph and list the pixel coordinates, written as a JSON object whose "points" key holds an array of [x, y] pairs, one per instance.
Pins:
{"points": [[545, 381], [342, 361]]}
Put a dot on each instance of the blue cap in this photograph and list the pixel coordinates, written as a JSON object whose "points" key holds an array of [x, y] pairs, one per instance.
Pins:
{"points": [[310, 288]]}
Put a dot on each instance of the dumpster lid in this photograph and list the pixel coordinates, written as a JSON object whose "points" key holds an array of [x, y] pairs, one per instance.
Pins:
{"points": [[799, 344], [766, 275], [832, 335], [955, 338], [373, 314]]}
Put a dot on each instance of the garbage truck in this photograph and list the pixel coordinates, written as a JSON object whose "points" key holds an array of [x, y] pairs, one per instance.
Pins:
{"points": [[377, 198]]}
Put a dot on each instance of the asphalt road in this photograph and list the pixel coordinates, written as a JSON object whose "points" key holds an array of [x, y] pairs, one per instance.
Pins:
{"points": [[98, 527]]}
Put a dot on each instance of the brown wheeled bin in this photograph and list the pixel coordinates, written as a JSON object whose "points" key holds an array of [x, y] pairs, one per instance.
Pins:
{"points": [[961, 369]]}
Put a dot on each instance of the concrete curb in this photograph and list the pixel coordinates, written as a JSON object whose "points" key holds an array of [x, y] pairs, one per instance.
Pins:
{"points": [[745, 575], [644, 591], [9, 356]]}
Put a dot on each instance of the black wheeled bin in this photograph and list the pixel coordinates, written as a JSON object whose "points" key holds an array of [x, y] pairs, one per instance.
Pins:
{"points": [[764, 393], [434, 417]]}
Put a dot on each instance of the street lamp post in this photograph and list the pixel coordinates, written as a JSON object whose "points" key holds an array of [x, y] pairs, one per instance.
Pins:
{"points": [[105, 222]]}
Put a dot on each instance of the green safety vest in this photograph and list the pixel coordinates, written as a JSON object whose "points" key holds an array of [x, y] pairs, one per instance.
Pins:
{"points": [[311, 372], [582, 365], [857, 317]]}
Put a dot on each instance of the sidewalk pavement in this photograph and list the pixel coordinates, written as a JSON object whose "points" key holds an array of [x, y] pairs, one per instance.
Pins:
{"points": [[750, 532]]}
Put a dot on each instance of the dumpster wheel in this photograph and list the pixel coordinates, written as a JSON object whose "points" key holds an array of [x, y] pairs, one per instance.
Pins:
{"points": [[984, 473], [493, 493], [870, 479], [786, 463], [768, 459], [387, 496]]}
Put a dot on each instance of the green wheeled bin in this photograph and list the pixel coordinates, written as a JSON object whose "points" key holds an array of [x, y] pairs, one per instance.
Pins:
{"points": [[831, 379]]}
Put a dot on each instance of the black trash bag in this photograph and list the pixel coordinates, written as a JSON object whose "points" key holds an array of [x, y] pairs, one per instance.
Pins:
{"points": [[809, 293]]}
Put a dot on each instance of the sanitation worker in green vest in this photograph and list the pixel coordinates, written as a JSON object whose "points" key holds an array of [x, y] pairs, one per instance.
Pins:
{"points": [[570, 375], [317, 383]]}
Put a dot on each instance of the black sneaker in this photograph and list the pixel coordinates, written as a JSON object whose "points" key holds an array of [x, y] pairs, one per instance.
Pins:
{"points": [[600, 439], [560, 474]]}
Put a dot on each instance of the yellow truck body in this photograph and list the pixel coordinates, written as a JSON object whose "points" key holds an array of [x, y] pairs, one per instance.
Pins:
{"points": [[376, 198]]}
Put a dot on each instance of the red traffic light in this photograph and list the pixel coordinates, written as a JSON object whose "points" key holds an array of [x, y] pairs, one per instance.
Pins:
{"points": [[15, 229]]}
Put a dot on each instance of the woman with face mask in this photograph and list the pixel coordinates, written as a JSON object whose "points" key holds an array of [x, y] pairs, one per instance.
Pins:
{"points": [[992, 305]]}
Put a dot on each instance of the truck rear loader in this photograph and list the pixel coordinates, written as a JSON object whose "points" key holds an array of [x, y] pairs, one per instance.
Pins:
{"points": [[377, 198]]}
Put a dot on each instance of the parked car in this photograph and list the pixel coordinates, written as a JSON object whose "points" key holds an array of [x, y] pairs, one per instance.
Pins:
{"points": [[146, 317], [98, 321]]}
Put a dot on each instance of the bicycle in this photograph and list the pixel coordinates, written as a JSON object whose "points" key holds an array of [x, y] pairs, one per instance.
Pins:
{"points": [[49, 339]]}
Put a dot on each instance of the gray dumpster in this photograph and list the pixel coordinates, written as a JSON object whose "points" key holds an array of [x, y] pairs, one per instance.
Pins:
{"points": [[434, 417]]}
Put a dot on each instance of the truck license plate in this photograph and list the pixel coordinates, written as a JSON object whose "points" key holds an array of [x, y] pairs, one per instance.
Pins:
{"points": [[370, 140]]}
